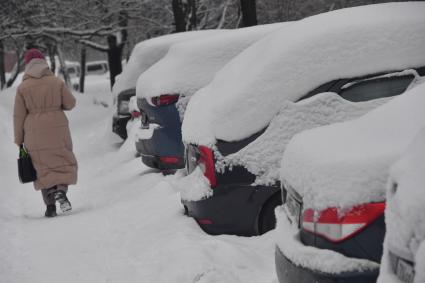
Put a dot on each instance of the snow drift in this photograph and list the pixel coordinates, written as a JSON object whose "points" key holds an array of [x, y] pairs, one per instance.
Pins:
{"points": [[190, 65], [346, 164], [249, 91]]}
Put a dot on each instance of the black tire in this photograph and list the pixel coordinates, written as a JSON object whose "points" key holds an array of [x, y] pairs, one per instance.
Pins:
{"points": [[267, 219]]}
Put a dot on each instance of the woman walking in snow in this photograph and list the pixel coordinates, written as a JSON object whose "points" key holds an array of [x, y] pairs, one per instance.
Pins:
{"points": [[41, 125]]}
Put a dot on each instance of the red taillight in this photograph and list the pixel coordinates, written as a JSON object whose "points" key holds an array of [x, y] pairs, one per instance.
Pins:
{"points": [[135, 114], [206, 163], [165, 99], [335, 227], [169, 160], [205, 221]]}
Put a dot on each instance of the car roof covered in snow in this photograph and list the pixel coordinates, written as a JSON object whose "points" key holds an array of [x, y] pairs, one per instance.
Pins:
{"points": [[148, 52], [285, 65], [192, 64], [347, 164]]}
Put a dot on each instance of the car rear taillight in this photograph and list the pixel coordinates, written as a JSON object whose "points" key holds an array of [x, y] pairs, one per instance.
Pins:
{"points": [[337, 227], [206, 163], [165, 99], [135, 114], [169, 159]]}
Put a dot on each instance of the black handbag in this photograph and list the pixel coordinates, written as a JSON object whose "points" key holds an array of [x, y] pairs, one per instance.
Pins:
{"points": [[26, 169]]}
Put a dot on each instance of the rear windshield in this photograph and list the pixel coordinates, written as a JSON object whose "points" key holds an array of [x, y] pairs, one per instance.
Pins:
{"points": [[376, 88]]}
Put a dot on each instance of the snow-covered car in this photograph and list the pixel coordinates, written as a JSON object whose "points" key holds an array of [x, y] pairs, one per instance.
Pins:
{"points": [[331, 226], [404, 245], [165, 89], [144, 55], [237, 128], [73, 69], [122, 114]]}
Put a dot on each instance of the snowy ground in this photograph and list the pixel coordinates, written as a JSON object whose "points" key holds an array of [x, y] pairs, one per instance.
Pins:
{"points": [[127, 223]]}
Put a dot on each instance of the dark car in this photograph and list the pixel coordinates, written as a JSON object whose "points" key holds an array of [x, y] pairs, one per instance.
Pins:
{"points": [[162, 148], [122, 114], [239, 207], [335, 200]]}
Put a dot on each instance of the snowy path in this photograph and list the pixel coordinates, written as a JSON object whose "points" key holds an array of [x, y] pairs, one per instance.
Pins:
{"points": [[127, 223]]}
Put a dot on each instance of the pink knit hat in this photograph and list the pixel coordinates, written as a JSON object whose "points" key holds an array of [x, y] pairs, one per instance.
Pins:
{"points": [[32, 54]]}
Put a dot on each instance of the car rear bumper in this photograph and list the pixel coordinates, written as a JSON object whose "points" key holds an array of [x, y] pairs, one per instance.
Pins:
{"points": [[156, 145], [288, 272], [296, 262], [232, 209], [119, 125], [156, 163]]}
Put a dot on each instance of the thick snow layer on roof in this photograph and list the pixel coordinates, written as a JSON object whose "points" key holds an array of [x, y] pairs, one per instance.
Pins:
{"points": [[321, 260], [345, 164], [190, 65], [148, 52], [249, 91], [262, 157], [405, 203]]}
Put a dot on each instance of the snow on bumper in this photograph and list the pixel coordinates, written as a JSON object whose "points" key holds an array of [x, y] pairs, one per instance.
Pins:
{"points": [[146, 134], [317, 260]]}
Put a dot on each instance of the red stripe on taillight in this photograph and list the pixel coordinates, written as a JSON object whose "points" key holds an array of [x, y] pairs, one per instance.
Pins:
{"points": [[205, 221], [206, 162], [169, 159], [165, 99], [135, 114], [337, 227]]}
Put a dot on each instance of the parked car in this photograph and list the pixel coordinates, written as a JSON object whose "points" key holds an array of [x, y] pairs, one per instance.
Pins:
{"points": [[144, 55], [333, 181], [236, 129], [404, 245], [166, 87], [122, 115], [73, 69]]}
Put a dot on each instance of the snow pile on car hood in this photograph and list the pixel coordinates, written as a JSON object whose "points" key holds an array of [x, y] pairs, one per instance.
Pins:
{"points": [[249, 91], [405, 204], [262, 157], [346, 164], [147, 53], [190, 65]]}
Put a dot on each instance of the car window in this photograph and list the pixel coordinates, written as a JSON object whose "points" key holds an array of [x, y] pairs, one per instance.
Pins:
{"points": [[94, 68], [375, 88]]}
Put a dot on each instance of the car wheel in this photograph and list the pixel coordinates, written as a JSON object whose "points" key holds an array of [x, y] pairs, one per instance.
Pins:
{"points": [[267, 219]]}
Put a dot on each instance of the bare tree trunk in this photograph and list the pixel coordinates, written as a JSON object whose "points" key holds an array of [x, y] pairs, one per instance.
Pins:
{"points": [[179, 15], [223, 15], [16, 69], [82, 68], [52, 54], [63, 69], [114, 58], [249, 13], [192, 15], [2, 68]]}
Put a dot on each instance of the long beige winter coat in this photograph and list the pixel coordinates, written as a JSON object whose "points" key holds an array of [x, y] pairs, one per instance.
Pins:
{"points": [[41, 124]]}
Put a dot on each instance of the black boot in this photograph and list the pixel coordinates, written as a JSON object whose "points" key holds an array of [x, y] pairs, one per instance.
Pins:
{"points": [[64, 203], [50, 211]]}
